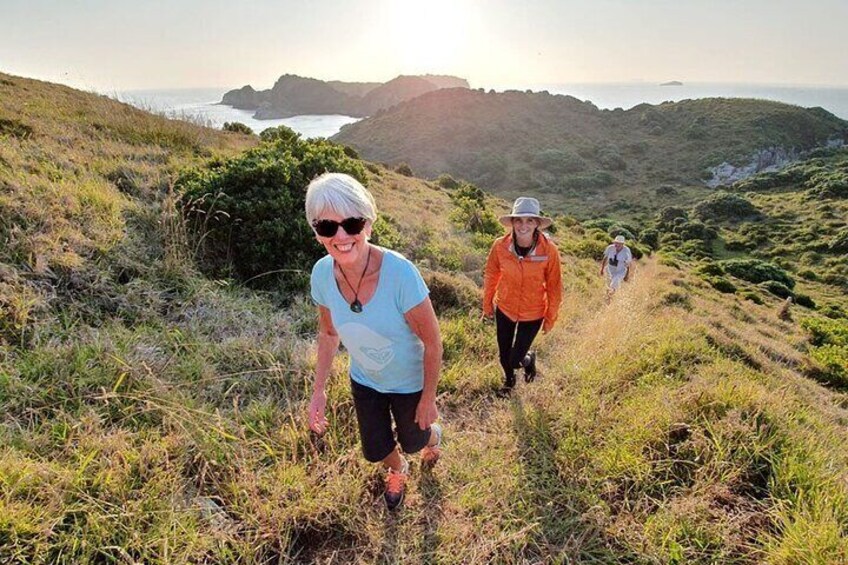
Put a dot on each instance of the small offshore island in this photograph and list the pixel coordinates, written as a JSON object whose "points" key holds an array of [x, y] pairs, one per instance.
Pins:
{"points": [[672, 83]]}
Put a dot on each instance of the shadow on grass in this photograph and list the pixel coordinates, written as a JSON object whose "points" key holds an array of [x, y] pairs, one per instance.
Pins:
{"points": [[567, 532]]}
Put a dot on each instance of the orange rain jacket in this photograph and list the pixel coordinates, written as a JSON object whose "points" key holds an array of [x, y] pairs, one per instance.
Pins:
{"points": [[524, 288]]}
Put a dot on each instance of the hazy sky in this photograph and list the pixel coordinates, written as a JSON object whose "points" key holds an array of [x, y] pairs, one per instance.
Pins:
{"points": [[109, 45]]}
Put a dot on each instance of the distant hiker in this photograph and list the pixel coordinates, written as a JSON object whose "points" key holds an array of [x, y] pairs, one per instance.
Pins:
{"points": [[618, 261], [522, 288], [375, 302]]}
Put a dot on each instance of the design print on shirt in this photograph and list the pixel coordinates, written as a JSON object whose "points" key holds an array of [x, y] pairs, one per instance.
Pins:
{"points": [[371, 351]]}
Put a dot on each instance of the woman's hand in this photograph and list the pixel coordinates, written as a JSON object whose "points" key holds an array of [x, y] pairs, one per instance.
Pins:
{"points": [[426, 412], [317, 421]]}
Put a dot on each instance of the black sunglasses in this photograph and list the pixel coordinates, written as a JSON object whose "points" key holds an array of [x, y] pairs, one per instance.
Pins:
{"points": [[328, 228]]}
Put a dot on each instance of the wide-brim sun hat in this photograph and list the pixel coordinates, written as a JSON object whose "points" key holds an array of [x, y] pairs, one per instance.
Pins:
{"points": [[619, 239], [526, 207]]}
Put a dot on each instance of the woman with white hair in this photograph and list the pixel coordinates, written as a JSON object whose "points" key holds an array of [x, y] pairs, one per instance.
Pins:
{"points": [[522, 287], [374, 301]]}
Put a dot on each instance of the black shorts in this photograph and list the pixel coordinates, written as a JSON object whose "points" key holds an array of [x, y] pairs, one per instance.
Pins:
{"points": [[374, 411]]}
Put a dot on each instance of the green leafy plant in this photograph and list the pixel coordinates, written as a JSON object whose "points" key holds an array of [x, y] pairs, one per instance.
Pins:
{"points": [[248, 211]]}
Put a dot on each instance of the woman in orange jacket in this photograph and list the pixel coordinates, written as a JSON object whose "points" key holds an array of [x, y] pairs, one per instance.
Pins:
{"points": [[522, 287]]}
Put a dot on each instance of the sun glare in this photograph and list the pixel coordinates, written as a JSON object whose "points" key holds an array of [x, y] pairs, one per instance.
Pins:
{"points": [[429, 36]]}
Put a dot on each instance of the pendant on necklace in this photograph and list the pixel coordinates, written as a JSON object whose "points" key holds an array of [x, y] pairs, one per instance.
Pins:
{"points": [[356, 306]]}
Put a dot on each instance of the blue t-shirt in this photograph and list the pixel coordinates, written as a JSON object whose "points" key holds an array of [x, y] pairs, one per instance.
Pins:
{"points": [[385, 354]]}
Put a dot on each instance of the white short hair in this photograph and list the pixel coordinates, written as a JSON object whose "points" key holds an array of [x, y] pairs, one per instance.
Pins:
{"points": [[340, 193]]}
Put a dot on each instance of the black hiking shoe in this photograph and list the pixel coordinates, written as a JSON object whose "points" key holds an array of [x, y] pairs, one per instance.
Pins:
{"points": [[509, 384], [530, 367]]}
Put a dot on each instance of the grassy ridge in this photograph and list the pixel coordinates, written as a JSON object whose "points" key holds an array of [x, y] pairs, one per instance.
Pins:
{"points": [[582, 160], [150, 414]]}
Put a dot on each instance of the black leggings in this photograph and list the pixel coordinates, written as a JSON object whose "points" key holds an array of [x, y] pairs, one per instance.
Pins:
{"points": [[513, 345]]}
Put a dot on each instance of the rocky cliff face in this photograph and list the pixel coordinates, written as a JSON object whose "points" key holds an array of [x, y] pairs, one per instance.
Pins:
{"points": [[293, 95], [244, 98], [762, 161]]}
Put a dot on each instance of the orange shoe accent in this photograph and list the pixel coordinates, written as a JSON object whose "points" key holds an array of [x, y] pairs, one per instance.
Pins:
{"points": [[395, 488]]}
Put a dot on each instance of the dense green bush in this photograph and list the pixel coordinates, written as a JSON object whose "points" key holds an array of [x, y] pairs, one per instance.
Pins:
{"points": [[447, 181], [280, 133], [237, 127], [721, 284], [709, 268], [757, 271], [669, 214], [829, 184], [725, 206], [650, 237], [248, 211], [839, 243], [695, 229], [776, 288], [611, 159], [452, 292], [804, 300], [830, 349], [752, 296], [405, 170]]}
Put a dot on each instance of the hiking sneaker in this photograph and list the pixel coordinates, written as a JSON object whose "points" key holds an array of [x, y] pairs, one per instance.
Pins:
{"points": [[431, 453], [396, 487], [530, 367], [509, 384]]}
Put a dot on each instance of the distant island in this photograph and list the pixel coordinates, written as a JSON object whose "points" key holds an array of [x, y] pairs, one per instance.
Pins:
{"points": [[294, 95], [672, 83]]}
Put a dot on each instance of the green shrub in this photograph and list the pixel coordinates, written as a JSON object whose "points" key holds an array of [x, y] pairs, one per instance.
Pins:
{"points": [[15, 128], [710, 268], [237, 127], [280, 133], [695, 229], [404, 169], [452, 292], [668, 214], [721, 284], [248, 210], [839, 243], [808, 274], [829, 184], [725, 206], [587, 248], [805, 300], [826, 332], [386, 234], [757, 271], [611, 159], [650, 237], [776, 288], [752, 296], [834, 361], [447, 181]]}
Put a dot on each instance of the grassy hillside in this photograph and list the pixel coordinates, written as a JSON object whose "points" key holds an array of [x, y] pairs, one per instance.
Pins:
{"points": [[582, 160], [152, 414]]}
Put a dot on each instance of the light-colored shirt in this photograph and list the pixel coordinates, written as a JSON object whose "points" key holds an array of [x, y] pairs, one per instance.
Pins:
{"points": [[385, 354], [624, 258]]}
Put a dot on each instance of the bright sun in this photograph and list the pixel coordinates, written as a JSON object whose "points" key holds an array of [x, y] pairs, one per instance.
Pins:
{"points": [[428, 36]]}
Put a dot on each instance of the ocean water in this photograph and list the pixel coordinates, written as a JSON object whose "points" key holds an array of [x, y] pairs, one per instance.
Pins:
{"points": [[201, 104]]}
